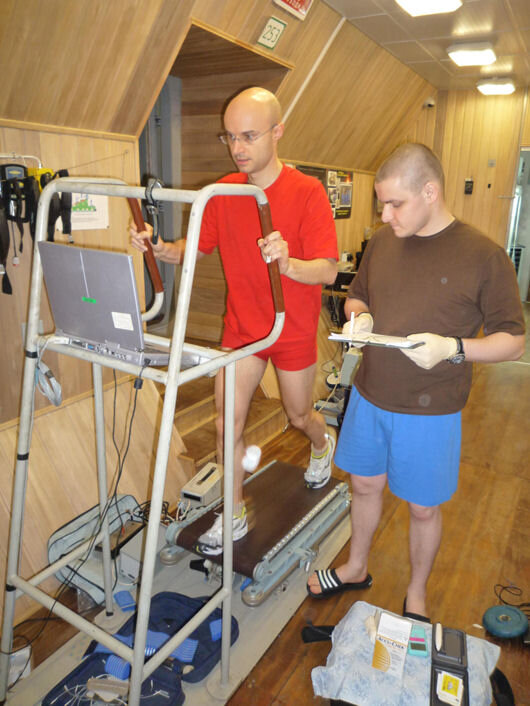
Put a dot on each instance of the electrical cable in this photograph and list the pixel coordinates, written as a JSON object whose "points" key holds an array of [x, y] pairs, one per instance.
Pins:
{"points": [[45, 380], [332, 360], [512, 590], [328, 398], [13, 652]]}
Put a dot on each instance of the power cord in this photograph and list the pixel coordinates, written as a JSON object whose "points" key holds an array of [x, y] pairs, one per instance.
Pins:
{"points": [[328, 398], [45, 380], [512, 590]]}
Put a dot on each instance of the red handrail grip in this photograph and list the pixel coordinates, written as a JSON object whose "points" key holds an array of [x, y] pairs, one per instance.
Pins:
{"points": [[149, 257], [274, 271]]}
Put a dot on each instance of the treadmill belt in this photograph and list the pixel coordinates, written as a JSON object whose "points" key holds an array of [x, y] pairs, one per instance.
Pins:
{"points": [[276, 499]]}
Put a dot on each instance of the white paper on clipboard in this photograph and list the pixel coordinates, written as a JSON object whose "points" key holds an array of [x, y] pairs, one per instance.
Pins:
{"points": [[376, 339]]}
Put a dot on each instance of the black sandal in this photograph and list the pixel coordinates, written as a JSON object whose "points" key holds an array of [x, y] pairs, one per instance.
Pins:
{"points": [[414, 616], [330, 584]]}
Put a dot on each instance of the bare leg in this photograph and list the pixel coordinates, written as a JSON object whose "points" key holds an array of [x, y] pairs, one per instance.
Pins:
{"points": [[366, 508], [249, 372], [425, 533], [296, 387]]}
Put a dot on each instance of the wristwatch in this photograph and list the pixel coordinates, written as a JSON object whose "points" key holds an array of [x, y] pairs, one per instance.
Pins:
{"points": [[459, 356]]}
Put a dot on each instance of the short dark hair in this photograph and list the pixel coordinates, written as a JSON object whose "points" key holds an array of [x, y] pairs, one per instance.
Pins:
{"points": [[415, 163]]}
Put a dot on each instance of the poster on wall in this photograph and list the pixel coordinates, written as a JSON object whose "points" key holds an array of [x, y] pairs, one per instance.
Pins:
{"points": [[340, 189], [89, 212], [298, 8], [338, 184]]}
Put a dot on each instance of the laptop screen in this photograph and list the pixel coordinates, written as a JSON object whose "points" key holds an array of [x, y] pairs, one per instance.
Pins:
{"points": [[93, 294]]}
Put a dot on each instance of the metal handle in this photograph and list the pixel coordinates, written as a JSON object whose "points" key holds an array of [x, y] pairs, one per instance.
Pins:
{"points": [[149, 257], [274, 271]]}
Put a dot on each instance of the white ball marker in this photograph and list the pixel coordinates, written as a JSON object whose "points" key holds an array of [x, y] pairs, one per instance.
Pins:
{"points": [[251, 458]]}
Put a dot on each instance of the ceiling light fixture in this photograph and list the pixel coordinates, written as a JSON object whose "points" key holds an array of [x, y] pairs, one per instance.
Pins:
{"points": [[429, 7], [496, 87], [472, 54]]}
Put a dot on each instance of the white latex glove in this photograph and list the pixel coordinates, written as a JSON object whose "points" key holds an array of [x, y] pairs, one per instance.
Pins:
{"points": [[362, 323], [435, 349]]}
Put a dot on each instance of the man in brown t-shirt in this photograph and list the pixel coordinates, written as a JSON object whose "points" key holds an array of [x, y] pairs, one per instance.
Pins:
{"points": [[429, 277]]}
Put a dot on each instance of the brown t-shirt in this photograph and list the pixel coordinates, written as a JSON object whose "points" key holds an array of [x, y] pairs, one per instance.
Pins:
{"points": [[450, 284]]}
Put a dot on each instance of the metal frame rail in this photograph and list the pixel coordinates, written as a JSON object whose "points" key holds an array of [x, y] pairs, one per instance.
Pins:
{"points": [[210, 361]]}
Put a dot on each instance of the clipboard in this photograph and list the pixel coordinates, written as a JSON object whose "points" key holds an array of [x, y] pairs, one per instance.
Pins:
{"points": [[376, 339]]}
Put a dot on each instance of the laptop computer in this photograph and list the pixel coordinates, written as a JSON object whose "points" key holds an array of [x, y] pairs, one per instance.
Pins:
{"points": [[94, 302]]}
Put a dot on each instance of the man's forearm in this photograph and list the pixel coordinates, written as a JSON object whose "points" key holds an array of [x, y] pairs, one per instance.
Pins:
{"points": [[354, 306], [172, 251], [494, 348], [318, 271]]}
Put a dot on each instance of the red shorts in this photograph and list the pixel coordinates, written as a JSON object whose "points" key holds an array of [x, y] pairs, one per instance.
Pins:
{"points": [[293, 355]]}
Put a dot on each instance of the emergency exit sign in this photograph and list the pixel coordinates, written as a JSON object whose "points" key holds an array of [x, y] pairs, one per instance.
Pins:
{"points": [[271, 32]]}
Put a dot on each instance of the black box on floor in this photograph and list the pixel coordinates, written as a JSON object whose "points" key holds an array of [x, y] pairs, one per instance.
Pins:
{"points": [[451, 657]]}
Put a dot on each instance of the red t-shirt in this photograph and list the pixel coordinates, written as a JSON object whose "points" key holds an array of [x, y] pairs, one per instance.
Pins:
{"points": [[300, 210]]}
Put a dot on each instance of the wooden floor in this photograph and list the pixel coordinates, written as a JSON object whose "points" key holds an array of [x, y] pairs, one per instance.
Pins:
{"points": [[486, 542]]}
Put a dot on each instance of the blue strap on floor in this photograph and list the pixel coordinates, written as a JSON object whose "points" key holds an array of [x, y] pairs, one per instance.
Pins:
{"points": [[185, 652], [216, 629], [125, 600]]}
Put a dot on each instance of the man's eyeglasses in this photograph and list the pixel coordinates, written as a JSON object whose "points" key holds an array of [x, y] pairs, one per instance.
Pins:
{"points": [[247, 138]]}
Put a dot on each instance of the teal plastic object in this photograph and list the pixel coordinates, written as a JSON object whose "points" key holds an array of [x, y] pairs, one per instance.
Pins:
{"points": [[505, 621]]}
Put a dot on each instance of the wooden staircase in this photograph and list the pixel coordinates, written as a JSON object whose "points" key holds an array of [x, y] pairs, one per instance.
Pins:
{"points": [[195, 421]]}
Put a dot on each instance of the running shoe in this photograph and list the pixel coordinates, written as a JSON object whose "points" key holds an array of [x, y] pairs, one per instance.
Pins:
{"points": [[319, 470], [211, 542]]}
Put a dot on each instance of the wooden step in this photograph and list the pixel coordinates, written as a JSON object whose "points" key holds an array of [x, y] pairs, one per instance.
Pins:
{"points": [[195, 404], [266, 419]]}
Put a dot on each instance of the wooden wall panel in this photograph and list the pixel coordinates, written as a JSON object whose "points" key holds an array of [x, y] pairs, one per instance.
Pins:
{"points": [[424, 129], [300, 43], [95, 65], [525, 132], [481, 142], [358, 105], [123, 52], [81, 155]]}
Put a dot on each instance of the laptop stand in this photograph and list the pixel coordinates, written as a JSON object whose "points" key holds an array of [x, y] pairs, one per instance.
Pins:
{"points": [[211, 360]]}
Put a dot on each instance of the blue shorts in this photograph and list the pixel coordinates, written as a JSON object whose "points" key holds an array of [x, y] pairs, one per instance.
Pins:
{"points": [[419, 453]]}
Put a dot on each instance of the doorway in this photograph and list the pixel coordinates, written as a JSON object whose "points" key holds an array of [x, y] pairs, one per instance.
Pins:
{"points": [[518, 246], [180, 140]]}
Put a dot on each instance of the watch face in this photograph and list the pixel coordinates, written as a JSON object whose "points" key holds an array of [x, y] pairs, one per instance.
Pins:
{"points": [[458, 358]]}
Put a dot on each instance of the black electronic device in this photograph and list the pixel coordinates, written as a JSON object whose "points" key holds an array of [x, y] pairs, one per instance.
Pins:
{"points": [[343, 280], [449, 656]]}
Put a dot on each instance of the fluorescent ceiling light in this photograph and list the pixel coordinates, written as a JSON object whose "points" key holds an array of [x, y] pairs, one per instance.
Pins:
{"points": [[496, 87], [473, 54], [429, 7]]}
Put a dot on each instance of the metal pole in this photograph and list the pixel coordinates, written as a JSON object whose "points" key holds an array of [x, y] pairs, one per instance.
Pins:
{"points": [[162, 454], [21, 467], [228, 510], [101, 452]]}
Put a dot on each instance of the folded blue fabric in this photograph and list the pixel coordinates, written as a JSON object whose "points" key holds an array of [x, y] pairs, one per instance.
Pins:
{"points": [[125, 600]]}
